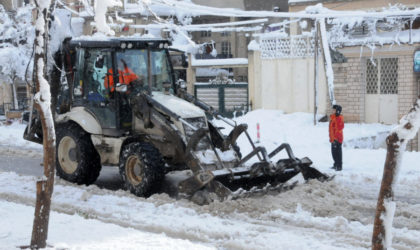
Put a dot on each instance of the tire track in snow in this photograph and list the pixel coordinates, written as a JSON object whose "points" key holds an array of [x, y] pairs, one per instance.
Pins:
{"points": [[219, 224]]}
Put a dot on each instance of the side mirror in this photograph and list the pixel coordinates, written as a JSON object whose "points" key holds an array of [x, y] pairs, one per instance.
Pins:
{"points": [[121, 88]]}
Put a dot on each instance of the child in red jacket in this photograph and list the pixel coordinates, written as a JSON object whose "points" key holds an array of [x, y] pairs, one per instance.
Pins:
{"points": [[336, 137]]}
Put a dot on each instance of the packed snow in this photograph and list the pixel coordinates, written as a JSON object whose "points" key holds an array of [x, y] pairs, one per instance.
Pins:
{"points": [[333, 215]]}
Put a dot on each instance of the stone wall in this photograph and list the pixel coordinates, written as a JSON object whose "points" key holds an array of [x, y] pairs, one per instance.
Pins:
{"points": [[350, 88], [349, 82]]}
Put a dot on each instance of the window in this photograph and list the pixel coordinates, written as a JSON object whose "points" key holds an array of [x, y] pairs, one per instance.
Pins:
{"points": [[382, 76], [226, 33], [372, 76], [22, 97], [129, 4], [205, 33], [226, 48], [97, 65]]}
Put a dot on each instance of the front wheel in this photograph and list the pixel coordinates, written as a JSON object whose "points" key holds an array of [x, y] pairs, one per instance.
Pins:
{"points": [[76, 158], [141, 168]]}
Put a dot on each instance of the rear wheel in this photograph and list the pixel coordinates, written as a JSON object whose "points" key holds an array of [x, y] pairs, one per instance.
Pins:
{"points": [[76, 158], [141, 168]]}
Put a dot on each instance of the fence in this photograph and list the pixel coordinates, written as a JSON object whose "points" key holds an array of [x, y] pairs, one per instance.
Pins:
{"points": [[287, 47], [229, 99], [281, 75]]}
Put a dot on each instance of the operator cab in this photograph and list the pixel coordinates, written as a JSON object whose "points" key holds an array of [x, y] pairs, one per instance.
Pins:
{"points": [[101, 76]]}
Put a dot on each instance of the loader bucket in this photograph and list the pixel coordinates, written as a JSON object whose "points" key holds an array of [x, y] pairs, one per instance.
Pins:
{"points": [[224, 180], [227, 181]]}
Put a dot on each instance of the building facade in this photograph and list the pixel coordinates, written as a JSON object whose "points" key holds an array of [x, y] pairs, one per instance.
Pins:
{"points": [[375, 85]]}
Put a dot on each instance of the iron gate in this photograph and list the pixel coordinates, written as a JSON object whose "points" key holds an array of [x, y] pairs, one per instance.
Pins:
{"points": [[229, 99]]}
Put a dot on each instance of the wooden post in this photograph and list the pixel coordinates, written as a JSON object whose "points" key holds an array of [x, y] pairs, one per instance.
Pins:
{"points": [[44, 188]]}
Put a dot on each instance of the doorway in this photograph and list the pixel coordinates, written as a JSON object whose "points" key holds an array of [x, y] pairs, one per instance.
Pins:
{"points": [[381, 104]]}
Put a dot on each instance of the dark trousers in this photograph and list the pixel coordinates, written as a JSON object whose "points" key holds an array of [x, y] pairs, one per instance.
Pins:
{"points": [[337, 155]]}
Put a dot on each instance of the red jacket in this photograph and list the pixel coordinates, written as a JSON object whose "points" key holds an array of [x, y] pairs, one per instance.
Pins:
{"points": [[126, 76], [336, 128]]}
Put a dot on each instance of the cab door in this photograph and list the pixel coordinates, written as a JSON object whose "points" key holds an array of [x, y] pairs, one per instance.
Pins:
{"points": [[92, 91]]}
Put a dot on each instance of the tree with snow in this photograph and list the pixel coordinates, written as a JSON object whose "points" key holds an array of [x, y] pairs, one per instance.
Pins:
{"points": [[396, 143], [42, 102], [16, 34]]}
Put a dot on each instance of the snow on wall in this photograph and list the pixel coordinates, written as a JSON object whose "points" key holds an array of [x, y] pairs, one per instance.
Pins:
{"points": [[253, 45]]}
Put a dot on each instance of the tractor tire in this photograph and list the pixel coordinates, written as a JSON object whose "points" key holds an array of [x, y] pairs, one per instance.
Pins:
{"points": [[142, 168], [77, 160]]}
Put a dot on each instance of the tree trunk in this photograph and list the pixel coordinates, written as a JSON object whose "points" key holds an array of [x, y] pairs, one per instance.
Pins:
{"points": [[385, 208], [43, 105], [386, 192]]}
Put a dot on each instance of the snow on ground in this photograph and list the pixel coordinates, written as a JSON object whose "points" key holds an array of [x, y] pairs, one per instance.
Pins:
{"points": [[334, 215], [12, 142]]}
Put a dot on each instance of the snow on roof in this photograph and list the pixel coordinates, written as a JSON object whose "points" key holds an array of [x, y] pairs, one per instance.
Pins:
{"points": [[394, 37], [183, 8], [293, 2], [219, 62]]}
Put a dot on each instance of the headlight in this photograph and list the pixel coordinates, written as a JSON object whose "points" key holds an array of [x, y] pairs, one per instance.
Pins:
{"points": [[123, 45]]}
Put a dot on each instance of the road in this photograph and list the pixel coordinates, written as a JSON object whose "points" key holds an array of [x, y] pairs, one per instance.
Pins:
{"points": [[31, 164]]}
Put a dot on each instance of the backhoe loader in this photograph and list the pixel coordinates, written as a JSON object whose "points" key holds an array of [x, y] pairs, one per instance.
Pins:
{"points": [[119, 104]]}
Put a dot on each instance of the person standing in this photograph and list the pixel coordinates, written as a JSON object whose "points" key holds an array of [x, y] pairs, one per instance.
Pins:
{"points": [[336, 136]]}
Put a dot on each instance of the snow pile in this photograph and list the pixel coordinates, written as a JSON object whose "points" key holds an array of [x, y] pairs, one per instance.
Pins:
{"points": [[13, 144], [298, 130], [101, 235]]}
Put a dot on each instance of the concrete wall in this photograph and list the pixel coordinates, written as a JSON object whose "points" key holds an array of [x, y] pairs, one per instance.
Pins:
{"points": [[286, 84]]}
